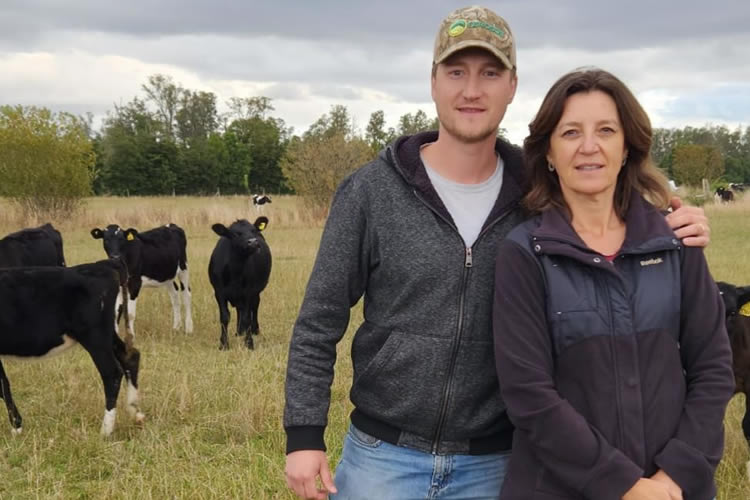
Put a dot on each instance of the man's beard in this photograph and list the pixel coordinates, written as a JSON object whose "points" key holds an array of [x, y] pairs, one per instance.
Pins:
{"points": [[468, 138]]}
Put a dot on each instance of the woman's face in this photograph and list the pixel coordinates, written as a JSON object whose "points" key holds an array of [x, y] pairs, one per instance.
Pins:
{"points": [[587, 147]]}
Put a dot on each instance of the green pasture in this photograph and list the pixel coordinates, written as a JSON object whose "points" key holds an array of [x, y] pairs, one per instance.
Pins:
{"points": [[213, 418]]}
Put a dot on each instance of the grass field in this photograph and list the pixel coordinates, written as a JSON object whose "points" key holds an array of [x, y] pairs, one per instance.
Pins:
{"points": [[213, 427]]}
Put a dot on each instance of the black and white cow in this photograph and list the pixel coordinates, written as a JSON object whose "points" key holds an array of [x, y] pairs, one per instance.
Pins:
{"points": [[45, 310], [154, 258], [239, 269], [738, 328], [38, 246], [724, 195], [260, 200]]}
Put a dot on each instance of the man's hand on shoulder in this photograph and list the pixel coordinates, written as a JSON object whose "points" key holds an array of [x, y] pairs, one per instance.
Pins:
{"points": [[689, 224], [303, 468]]}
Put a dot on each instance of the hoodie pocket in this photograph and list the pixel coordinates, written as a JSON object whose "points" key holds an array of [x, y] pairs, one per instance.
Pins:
{"points": [[401, 381]]}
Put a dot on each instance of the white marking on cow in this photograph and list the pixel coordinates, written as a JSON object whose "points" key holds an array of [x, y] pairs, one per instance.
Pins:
{"points": [[108, 423], [132, 400], [184, 277], [118, 303], [131, 316], [16, 432], [132, 406]]}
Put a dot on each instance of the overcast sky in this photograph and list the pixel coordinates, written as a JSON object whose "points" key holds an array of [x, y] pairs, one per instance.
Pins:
{"points": [[688, 61]]}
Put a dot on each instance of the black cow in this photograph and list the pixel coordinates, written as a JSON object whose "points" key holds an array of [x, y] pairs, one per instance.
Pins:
{"points": [[738, 327], [38, 246], [154, 258], [239, 269], [45, 310], [724, 195]]}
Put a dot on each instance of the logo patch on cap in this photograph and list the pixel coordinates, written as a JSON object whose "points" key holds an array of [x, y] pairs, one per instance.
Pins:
{"points": [[458, 27]]}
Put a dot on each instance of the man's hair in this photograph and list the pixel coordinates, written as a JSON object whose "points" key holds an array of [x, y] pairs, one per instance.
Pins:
{"points": [[638, 174]]}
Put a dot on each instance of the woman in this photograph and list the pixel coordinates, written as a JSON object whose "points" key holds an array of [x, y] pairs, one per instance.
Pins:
{"points": [[610, 344]]}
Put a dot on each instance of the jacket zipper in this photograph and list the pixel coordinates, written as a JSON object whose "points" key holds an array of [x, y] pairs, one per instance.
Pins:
{"points": [[468, 264], [612, 345]]}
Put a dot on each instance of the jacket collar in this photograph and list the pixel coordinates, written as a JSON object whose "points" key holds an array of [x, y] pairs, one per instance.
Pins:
{"points": [[646, 231], [403, 156]]}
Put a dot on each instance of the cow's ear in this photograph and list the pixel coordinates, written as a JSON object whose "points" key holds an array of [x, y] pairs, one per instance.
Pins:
{"points": [[261, 223], [130, 234], [743, 300], [97, 233], [221, 230]]}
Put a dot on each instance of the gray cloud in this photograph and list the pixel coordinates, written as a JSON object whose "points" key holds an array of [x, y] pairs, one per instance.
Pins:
{"points": [[367, 55]]}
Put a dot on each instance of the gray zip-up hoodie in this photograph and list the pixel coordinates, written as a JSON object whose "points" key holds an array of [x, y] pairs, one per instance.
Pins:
{"points": [[424, 371]]}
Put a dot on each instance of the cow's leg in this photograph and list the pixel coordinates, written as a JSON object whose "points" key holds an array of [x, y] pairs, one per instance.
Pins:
{"points": [[174, 297], [254, 305], [134, 289], [13, 415], [129, 360], [111, 374], [246, 323], [224, 319], [184, 277], [240, 321]]}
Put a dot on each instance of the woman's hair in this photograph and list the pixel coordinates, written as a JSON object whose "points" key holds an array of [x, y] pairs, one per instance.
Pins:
{"points": [[637, 174]]}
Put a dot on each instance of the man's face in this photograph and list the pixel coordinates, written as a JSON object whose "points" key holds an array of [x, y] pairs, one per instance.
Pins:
{"points": [[472, 90]]}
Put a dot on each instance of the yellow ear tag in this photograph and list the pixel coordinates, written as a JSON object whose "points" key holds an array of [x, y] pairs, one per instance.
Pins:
{"points": [[261, 226], [745, 310], [131, 237]]}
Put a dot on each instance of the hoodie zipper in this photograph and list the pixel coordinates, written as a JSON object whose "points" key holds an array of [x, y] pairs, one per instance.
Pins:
{"points": [[467, 265]]}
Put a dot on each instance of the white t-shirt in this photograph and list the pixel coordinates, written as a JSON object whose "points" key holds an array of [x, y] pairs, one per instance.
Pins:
{"points": [[468, 204]]}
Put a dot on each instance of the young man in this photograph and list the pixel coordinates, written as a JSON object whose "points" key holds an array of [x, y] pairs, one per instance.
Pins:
{"points": [[415, 232]]}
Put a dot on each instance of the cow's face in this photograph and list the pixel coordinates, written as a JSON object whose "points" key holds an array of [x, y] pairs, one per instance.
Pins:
{"points": [[734, 297], [115, 239], [246, 238]]}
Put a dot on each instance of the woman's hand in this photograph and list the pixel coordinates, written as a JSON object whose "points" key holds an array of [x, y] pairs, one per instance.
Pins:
{"points": [[648, 489]]}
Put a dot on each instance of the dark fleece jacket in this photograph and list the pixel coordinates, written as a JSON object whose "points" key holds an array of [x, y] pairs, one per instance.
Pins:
{"points": [[610, 371]]}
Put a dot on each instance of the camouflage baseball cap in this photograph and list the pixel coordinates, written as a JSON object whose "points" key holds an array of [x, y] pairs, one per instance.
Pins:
{"points": [[475, 27]]}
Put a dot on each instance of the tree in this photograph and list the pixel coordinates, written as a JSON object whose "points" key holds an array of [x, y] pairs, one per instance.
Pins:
{"points": [[410, 124], [137, 157], [694, 162], [46, 160], [316, 165], [197, 117], [163, 93], [376, 135]]}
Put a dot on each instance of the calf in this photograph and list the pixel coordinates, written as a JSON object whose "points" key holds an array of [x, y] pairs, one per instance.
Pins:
{"points": [[154, 258], [737, 310], [259, 200], [39, 246], [724, 195], [239, 269], [45, 310]]}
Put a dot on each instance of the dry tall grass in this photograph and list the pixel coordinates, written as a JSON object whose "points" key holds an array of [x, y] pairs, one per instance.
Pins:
{"points": [[213, 427]]}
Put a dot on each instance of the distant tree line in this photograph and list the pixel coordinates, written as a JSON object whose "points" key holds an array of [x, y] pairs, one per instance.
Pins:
{"points": [[712, 152], [173, 140]]}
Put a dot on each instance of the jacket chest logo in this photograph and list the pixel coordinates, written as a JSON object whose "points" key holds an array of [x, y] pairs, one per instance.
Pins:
{"points": [[651, 262]]}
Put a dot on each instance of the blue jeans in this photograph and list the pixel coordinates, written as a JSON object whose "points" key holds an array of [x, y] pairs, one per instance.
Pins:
{"points": [[373, 469]]}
